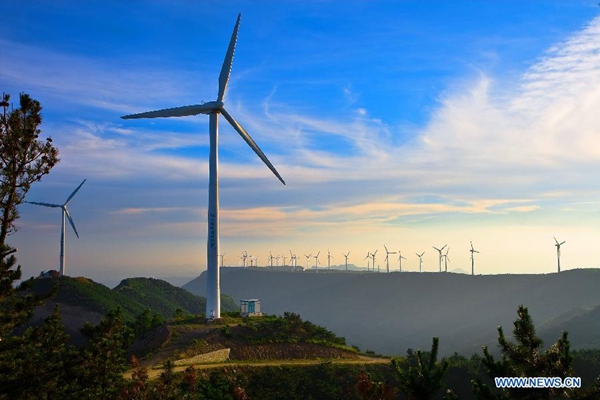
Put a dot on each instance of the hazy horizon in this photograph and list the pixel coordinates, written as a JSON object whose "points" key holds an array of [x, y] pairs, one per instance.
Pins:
{"points": [[398, 124]]}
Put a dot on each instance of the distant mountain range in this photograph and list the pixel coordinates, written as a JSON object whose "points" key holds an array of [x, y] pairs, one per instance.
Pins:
{"points": [[389, 313], [82, 300]]}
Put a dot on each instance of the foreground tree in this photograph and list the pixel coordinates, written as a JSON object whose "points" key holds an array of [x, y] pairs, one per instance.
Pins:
{"points": [[420, 375], [103, 360], [525, 358], [36, 365], [23, 160]]}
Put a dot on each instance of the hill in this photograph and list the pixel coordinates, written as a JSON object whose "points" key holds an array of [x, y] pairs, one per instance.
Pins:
{"points": [[248, 339], [82, 300], [389, 313], [164, 298]]}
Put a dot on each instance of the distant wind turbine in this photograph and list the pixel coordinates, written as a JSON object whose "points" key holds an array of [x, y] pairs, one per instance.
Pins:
{"points": [[446, 260], [368, 257], [400, 258], [213, 109], [473, 251], [558, 252], [317, 261], [346, 255], [222, 258], [65, 213], [329, 257], [307, 258], [387, 258], [271, 260], [440, 251], [420, 261], [373, 257]]}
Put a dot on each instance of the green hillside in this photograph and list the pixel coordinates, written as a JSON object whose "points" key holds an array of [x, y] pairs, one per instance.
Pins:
{"points": [[164, 298], [85, 293], [133, 295]]}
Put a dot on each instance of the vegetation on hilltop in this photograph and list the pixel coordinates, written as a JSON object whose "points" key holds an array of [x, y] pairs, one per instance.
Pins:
{"points": [[165, 299]]}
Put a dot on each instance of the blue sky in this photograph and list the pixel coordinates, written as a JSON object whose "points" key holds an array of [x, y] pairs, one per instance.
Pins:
{"points": [[409, 124]]}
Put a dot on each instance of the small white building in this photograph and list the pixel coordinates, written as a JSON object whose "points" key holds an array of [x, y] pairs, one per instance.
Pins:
{"points": [[250, 308]]}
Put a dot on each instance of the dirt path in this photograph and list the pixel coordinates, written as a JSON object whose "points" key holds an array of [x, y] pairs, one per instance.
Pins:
{"points": [[154, 373]]}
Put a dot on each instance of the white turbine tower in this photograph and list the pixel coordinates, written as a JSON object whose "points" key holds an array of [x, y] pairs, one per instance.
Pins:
{"points": [[420, 261], [271, 260], [65, 213], [400, 258], [446, 260], [329, 257], [307, 259], [473, 259], [373, 257], [558, 251], [213, 109], [346, 255], [245, 258], [440, 251], [387, 258], [317, 261]]}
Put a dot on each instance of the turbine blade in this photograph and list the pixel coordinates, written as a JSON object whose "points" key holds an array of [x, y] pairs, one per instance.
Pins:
{"points": [[228, 61], [44, 204], [555, 239], [173, 112], [563, 243], [251, 143], [71, 221], [74, 191]]}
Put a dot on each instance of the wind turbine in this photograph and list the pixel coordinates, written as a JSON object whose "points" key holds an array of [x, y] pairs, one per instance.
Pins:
{"points": [[373, 256], [440, 251], [213, 109], [244, 257], [387, 258], [558, 251], [420, 261], [329, 257], [446, 260], [317, 261], [271, 260], [400, 258], [346, 255], [65, 212], [307, 258], [473, 259], [222, 257], [367, 258]]}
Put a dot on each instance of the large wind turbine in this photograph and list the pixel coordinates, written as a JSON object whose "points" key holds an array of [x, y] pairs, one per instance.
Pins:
{"points": [[473, 259], [440, 251], [329, 257], [213, 109], [346, 255], [400, 258], [420, 261], [65, 212], [367, 258], [387, 258], [558, 251], [317, 261]]}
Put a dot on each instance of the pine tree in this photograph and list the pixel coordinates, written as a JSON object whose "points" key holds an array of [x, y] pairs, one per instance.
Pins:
{"points": [[525, 358], [420, 375], [36, 365], [23, 160], [103, 360]]}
